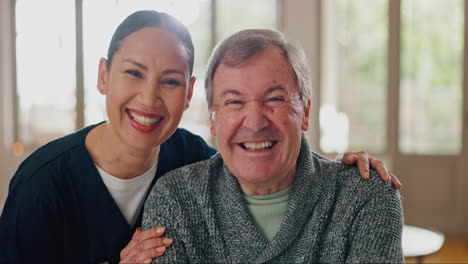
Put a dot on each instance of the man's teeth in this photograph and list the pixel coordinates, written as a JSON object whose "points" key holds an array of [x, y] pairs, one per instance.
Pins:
{"points": [[143, 119], [258, 145]]}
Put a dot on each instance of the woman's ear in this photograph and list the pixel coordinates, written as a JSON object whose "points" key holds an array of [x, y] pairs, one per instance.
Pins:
{"points": [[103, 74], [189, 92]]}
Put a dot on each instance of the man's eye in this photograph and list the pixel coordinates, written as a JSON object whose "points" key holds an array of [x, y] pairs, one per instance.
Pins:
{"points": [[234, 104], [134, 73], [171, 82], [274, 101]]}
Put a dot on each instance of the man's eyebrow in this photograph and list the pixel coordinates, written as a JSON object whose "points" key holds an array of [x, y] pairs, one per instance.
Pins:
{"points": [[275, 88], [230, 91], [136, 63], [268, 91]]}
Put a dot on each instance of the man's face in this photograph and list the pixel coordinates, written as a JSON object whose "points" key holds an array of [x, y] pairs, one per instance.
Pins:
{"points": [[257, 117]]}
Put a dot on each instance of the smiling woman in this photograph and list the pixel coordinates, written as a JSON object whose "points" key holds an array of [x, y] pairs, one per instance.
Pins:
{"points": [[85, 191], [150, 81]]}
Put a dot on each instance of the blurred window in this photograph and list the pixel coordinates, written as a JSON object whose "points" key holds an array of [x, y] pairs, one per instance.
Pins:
{"points": [[235, 15], [354, 80], [45, 66], [353, 112], [431, 77]]}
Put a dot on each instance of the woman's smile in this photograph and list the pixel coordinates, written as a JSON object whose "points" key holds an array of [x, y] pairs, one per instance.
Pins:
{"points": [[144, 122]]}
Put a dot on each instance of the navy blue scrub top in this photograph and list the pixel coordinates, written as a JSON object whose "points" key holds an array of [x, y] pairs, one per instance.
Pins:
{"points": [[58, 209]]}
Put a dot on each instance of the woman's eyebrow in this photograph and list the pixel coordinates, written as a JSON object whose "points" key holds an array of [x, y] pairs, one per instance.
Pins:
{"points": [[143, 66], [171, 71], [136, 63]]}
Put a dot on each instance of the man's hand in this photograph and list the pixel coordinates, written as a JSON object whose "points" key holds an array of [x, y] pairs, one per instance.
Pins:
{"points": [[145, 245], [363, 160]]}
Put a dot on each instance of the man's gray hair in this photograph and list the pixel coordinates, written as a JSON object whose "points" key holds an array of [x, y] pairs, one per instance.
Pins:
{"points": [[241, 46]]}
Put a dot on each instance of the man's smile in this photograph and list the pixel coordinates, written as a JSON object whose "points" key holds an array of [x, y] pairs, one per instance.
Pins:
{"points": [[257, 146]]}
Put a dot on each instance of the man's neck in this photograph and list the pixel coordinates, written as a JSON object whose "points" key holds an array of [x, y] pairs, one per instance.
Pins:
{"points": [[266, 188]]}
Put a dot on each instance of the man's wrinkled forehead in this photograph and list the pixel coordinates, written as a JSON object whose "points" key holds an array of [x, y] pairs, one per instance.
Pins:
{"points": [[228, 66]]}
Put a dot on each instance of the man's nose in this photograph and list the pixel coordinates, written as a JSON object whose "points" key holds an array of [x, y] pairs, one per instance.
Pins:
{"points": [[254, 117]]}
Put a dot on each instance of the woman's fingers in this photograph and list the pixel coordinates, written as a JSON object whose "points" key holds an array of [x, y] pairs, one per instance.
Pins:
{"points": [[396, 183], [360, 158], [363, 161], [145, 245], [150, 253], [150, 233], [131, 244], [155, 243], [380, 167]]}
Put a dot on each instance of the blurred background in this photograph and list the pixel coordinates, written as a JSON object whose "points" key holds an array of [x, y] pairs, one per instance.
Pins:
{"points": [[389, 77]]}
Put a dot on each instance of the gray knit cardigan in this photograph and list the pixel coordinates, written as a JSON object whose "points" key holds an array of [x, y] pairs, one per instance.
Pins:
{"points": [[333, 216]]}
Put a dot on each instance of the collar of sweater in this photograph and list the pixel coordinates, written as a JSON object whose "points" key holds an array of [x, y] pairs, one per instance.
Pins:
{"points": [[231, 208]]}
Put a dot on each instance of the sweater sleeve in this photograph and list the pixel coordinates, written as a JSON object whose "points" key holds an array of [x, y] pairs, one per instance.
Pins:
{"points": [[162, 209], [376, 231]]}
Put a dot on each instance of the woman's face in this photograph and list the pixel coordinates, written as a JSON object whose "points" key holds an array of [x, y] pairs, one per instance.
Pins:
{"points": [[147, 87]]}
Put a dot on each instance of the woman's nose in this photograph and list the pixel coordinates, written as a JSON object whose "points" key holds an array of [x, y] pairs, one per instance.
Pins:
{"points": [[151, 95]]}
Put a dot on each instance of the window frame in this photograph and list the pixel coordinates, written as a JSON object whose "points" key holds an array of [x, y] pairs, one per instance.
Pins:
{"points": [[393, 64]]}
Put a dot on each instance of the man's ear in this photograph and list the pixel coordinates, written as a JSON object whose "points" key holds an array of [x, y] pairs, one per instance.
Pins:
{"points": [[212, 122], [189, 92], [306, 120], [103, 75]]}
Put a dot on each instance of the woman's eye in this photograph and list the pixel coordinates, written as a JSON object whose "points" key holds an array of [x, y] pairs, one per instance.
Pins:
{"points": [[171, 82], [134, 73]]}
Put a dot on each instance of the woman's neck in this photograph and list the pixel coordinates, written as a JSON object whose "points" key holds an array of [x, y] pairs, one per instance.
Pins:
{"points": [[117, 158]]}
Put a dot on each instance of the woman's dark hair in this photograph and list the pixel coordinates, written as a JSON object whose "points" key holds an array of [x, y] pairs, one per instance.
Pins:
{"points": [[151, 18]]}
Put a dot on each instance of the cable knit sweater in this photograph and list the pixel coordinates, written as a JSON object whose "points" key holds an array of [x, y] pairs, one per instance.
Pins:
{"points": [[333, 216]]}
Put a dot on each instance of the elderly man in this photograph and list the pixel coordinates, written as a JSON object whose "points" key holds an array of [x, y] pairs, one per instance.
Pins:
{"points": [[267, 197]]}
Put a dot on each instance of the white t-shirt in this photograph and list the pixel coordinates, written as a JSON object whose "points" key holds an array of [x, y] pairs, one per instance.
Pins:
{"points": [[129, 194]]}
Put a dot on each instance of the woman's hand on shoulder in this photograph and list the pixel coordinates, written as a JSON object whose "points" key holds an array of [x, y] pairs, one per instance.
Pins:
{"points": [[363, 160], [145, 245]]}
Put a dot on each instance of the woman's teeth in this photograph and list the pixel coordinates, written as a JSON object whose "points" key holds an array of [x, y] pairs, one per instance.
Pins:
{"points": [[147, 121], [258, 145]]}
